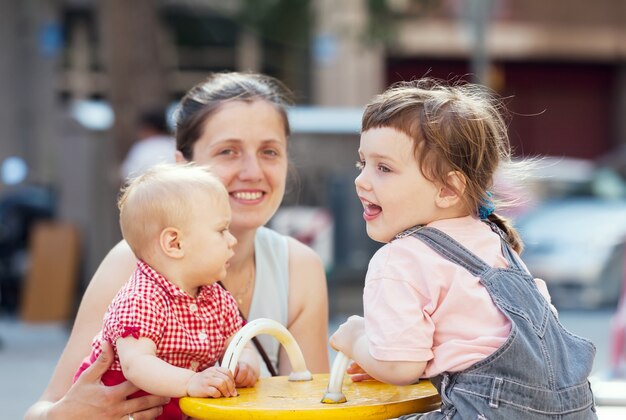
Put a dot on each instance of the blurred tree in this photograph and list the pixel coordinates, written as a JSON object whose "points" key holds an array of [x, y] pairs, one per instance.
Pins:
{"points": [[132, 58], [284, 29], [383, 16]]}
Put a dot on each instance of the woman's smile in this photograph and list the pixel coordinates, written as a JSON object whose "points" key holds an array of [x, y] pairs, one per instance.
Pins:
{"points": [[249, 197]]}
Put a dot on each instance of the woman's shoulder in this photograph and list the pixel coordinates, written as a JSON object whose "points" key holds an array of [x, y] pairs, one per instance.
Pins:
{"points": [[297, 251], [303, 258], [121, 254], [113, 272]]}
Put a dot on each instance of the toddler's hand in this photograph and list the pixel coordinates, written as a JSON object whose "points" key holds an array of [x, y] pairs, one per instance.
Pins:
{"points": [[245, 375], [347, 333], [213, 382], [357, 373]]}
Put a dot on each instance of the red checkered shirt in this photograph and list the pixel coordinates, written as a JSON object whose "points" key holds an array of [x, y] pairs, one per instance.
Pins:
{"points": [[188, 332]]}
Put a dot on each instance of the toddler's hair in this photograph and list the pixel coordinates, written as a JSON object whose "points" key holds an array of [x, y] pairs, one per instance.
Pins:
{"points": [[162, 196], [458, 127]]}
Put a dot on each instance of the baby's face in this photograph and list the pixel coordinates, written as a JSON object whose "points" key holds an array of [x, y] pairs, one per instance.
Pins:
{"points": [[207, 242]]}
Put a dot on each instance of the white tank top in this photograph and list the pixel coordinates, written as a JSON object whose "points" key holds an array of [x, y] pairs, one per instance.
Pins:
{"points": [[271, 288]]}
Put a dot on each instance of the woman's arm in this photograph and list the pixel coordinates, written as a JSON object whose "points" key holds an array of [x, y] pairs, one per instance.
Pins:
{"points": [[112, 273], [87, 398], [308, 308]]}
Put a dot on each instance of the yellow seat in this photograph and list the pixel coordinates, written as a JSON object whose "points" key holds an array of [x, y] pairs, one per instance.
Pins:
{"points": [[278, 398], [300, 395]]}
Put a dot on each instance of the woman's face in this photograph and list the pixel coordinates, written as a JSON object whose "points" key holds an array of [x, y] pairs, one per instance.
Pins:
{"points": [[245, 145]]}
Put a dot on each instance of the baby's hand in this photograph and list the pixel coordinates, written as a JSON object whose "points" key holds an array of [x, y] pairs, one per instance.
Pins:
{"points": [[245, 375], [212, 382]]}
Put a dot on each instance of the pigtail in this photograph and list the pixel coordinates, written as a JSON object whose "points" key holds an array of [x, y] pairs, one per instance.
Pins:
{"points": [[511, 235]]}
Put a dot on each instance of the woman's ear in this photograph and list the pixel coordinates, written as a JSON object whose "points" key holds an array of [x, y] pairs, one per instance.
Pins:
{"points": [[450, 194], [171, 243], [179, 157]]}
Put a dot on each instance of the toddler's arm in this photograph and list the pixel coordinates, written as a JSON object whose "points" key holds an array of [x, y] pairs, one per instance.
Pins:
{"points": [[155, 376], [350, 338]]}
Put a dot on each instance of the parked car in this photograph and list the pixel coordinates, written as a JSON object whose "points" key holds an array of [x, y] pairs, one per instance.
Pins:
{"points": [[577, 245]]}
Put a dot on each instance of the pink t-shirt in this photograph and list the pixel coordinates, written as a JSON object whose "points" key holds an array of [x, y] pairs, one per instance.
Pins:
{"points": [[421, 307]]}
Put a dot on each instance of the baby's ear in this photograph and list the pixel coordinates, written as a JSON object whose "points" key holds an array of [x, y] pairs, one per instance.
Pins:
{"points": [[451, 193], [170, 242]]}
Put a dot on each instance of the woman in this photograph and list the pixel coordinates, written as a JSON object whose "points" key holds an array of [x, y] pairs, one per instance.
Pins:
{"points": [[237, 124]]}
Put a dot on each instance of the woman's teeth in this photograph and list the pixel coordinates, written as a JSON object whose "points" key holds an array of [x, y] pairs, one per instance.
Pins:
{"points": [[247, 195]]}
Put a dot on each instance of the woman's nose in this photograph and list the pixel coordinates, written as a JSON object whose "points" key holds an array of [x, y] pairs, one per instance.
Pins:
{"points": [[251, 169]]}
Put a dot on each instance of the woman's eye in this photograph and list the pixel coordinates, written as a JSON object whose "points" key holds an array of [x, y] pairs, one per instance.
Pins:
{"points": [[271, 152], [226, 152], [360, 164]]}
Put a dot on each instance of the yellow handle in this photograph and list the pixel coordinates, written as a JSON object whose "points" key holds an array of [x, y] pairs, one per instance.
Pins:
{"points": [[267, 326]]}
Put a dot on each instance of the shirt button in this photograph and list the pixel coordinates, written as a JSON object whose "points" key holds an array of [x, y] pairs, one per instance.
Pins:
{"points": [[194, 365], [193, 307], [202, 336]]}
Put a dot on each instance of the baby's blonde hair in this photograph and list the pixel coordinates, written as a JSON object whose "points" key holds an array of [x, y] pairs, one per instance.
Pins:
{"points": [[161, 197], [459, 127]]}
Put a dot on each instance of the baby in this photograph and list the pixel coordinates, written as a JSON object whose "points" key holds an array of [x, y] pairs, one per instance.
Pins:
{"points": [[171, 322]]}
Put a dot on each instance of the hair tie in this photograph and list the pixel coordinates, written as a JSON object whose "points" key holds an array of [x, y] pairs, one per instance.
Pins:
{"points": [[487, 207]]}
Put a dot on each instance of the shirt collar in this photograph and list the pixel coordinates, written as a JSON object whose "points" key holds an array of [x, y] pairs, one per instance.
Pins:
{"points": [[204, 294]]}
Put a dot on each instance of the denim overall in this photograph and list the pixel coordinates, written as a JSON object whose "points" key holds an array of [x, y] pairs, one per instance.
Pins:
{"points": [[540, 372]]}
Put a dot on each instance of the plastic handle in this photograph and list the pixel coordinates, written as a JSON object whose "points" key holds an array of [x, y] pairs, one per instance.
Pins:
{"points": [[267, 326], [334, 393]]}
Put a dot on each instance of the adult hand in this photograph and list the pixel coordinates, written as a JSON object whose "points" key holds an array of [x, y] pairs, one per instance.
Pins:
{"points": [[214, 382], [89, 398]]}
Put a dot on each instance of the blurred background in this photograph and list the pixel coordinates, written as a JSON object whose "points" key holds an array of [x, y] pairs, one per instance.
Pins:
{"points": [[76, 74]]}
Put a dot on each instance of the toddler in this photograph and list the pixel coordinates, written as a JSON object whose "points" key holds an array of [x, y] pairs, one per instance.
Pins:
{"points": [[171, 322], [448, 297]]}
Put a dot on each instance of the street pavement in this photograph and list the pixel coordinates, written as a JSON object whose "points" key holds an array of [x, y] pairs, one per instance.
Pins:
{"points": [[29, 352]]}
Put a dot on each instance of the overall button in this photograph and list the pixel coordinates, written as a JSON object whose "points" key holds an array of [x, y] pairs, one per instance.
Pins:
{"points": [[202, 336], [194, 365], [193, 307]]}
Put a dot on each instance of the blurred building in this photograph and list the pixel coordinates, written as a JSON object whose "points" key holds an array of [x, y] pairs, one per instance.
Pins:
{"points": [[560, 63]]}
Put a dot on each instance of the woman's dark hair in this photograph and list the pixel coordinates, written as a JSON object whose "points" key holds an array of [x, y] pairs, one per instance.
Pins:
{"points": [[205, 98]]}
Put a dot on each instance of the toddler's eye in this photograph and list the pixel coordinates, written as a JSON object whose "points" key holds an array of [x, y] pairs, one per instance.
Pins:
{"points": [[383, 168], [360, 164]]}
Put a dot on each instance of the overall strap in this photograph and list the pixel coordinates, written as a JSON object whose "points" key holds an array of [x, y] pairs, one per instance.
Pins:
{"points": [[511, 257], [453, 251]]}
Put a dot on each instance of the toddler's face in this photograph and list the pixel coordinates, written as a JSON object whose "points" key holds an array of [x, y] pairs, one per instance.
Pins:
{"points": [[208, 243], [394, 192]]}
